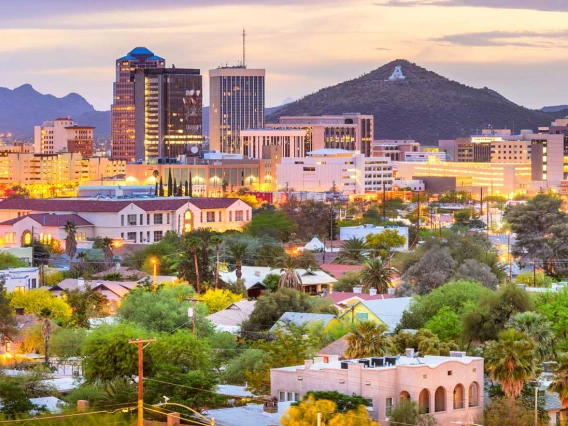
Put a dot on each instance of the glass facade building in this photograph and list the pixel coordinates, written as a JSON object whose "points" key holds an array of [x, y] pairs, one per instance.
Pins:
{"points": [[236, 102]]}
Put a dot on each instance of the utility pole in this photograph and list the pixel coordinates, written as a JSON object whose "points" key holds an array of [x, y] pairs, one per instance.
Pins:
{"points": [[141, 346], [330, 228], [481, 203], [418, 220], [384, 204], [536, 405]]}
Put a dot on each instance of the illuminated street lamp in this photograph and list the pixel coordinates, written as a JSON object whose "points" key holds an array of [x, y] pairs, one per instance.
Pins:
{"points": [[155, 265]]}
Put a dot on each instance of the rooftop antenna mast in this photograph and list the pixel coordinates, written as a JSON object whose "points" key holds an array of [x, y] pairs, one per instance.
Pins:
{"points": [[244, 37]]}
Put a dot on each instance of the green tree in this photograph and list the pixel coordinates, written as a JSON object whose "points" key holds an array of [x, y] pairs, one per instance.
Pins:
{"points": [[85, 304], [559, 383], [70, 239], [41, 253], [376, 273], [271, 281], [15, 394], [274, 223], [407, 413], [180, 351], [423, 341], [217, 300], [251, 361], [432, 271], [516, 413], [66, 343], [446, 324], [35, 301], [343, 402], [347, 281], [8, 260], [223, 346], [538, 329], [108, 355], [473, 270], [239, 251], [528, 278], [382, 244], [352, 251], [7, 320], [307, 260], [367, 338], [540, 226], [107, 251], [554, 306], [510, 361], [290, 277]]}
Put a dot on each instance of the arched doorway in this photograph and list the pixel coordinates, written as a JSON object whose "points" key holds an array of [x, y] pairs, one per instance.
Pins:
{"points": [[440, 400], [424, 401], [474, 394], [459, 397], [26, 238], [403, 395], [187, 221]]}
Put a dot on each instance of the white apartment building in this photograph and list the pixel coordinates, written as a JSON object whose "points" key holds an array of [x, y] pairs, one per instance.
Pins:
{"points": [[292, 142], [136, 221], [20, 279], [349, 171], [63, 135]]}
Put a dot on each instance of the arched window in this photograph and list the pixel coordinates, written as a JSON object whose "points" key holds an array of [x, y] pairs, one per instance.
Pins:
{"points": [[440, 399], [474, 394], [187, 221], [424, 401], [459, 397], [403, 395], [26, 238]]}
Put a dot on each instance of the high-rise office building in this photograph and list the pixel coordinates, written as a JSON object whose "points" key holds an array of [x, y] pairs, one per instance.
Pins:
{"points": [[168, 118], [236, 102], [123, 139]]}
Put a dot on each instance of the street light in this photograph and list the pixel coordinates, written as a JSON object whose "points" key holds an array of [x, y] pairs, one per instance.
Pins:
{"points": [[155, 264]]}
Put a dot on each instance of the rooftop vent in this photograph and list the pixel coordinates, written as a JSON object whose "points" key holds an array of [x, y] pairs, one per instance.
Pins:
{"points": [[358, 289], [410, 352], [373, 291], [457, 354]]}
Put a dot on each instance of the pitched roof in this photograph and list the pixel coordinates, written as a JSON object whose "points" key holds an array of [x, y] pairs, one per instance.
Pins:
{"points": [[234, 314], [340, 296], [125, 271], [335, 348], [110, 206], [251, 414], [45, 219], [302, 318], [312, 277], [388, 311], [338, 271]]}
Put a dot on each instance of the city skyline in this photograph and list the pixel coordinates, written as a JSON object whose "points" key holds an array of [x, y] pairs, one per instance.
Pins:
{"points": [[61, 48]]}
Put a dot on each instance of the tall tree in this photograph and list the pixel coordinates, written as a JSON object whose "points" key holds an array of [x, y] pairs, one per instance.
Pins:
{"points": [[170, 183], [175, 188], [290, 278], [157, 190], [85, 303], [161, 194], [559, 383], [352, 252], [190, 185], [382, 243], [510, 361], [239, 250], [216, 240], [8, 323], [538, 329], [45, 316], [187, 189], [365, 339], [107, 251], [433, 270], [376, 273], [70, 239]]}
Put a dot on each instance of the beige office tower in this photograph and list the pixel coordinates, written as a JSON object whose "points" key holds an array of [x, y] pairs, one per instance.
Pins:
{"points": [[236, 98]]}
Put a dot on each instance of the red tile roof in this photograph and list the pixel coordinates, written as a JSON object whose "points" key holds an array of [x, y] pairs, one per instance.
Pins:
{"points": [[340, 296], [46, 219], [110, 206], [338, 270]]}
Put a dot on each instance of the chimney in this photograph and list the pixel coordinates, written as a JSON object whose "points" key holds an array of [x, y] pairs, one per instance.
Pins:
{"points": [[457, 354], [373, 291], [318, 360], [332, 358], [391, 291], [19, 311], [358, 289], [257, 273], [117, 266], [80, 282], [308, 364], [410, 352]]}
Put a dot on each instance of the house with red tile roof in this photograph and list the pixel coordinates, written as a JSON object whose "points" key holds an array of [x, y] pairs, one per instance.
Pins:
{"points": [[131, 221], [337, 270]]}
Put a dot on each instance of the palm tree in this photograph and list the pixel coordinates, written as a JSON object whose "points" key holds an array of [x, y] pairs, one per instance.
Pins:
{"points": [[510, 361], [238, 250], [376, 274], [71, 239], [367, 338], [538, 329], [46, 315], [81, 264], [216, 240], [290, 278], [107, 250], [559, 383], [352, 252]]}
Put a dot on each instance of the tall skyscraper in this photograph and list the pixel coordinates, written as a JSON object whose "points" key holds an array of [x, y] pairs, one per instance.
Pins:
{"points": [[168, 118], [236, 97], [123, 139]]}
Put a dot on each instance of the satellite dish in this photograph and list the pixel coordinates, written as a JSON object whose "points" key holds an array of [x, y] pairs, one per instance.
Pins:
{"points": [[194, 150]]}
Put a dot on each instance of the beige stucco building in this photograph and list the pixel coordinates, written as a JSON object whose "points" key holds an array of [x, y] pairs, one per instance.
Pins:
{"points": [[449, 388]]}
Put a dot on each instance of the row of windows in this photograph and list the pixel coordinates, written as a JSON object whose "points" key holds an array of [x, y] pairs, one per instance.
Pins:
{"points": [[158, 235], [131, 219]]}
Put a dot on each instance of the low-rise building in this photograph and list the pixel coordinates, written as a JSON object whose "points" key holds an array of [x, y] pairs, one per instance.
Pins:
{"points": [[231, 318], [387, 311], [291, 141], [136, 221], [20, 279], [350, 172], [63, 135], [361, 231], [449, 388], [395, 149], [304, 319]]}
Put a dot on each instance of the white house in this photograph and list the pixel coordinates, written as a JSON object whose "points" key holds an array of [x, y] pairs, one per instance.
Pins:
{"points": [[20, 279], [141, 221], [361, 231]]}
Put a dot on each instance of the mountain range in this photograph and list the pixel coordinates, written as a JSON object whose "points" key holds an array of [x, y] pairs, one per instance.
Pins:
{"points": [[423, 105]]}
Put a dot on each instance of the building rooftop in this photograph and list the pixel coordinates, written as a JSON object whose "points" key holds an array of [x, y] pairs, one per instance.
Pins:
{"points": [[301, 318], [51, 220], [234, 314], [248, 415], [140, 51]]}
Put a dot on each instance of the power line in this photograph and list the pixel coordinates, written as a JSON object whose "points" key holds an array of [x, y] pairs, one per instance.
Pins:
{"points": [[66, 416]]}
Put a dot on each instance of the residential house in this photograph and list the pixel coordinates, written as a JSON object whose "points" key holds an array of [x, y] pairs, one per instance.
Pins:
{"points": [[231, 318], [303, 318], [125, 272], [20, 279], [345, 299], [384, 311], [131, 221], [334, 349], [337, 271], [448, 387], [10, 347]]}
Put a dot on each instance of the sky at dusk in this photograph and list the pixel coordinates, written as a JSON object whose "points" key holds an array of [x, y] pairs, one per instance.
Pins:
{"points": [[517, 47]]}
